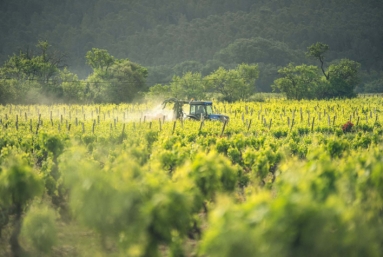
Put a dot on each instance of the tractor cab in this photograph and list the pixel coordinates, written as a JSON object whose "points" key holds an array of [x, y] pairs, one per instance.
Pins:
{"points": [[204, 110], [198, 110]]}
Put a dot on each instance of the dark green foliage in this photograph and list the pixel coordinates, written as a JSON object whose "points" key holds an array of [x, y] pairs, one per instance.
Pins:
{"points": [[299, 82], [304, 82], [343, 78], [258, 50], [375, 86], [318, 51], [175, 37], [31, 78], [234, 84], [113, 80]]}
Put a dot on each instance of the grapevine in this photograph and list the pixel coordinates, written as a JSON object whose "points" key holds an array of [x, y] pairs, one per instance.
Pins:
{"points": [[299, 176]]}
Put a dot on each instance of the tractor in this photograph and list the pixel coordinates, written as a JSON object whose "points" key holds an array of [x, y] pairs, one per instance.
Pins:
{"points": [[199, 110]]}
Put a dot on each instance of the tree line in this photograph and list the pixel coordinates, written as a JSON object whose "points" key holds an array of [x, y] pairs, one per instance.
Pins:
{"points": [[313, 82], [40, 77], [167, 35], [29, 77]]}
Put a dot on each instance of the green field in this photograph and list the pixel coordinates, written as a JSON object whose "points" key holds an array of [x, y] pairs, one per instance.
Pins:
{"points": [[281, 178]]}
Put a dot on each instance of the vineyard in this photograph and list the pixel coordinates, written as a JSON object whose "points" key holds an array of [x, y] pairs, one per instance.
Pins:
{"points": [[281, 178]]}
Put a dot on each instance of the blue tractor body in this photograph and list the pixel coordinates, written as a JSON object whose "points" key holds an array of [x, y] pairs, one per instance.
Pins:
{"points": [[198, 110], [204, 110]]}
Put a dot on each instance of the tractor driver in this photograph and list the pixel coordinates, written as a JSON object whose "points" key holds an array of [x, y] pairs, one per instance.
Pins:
{"points": [[200, 110]]}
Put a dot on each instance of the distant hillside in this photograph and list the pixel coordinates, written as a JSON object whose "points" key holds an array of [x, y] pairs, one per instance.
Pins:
{"points": [[165, 35]]}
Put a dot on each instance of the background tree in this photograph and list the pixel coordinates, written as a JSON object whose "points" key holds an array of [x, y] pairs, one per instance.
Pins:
{"points": [[8, 91], [114, 80], [235, 84], [29, 78], [187, 66], [169, 33], [340, 80], [99, 59], [317, 51], [159, 92], [344, 78], [249, 74], [375, 86], [127, 79], [299, 82], [73, 88], [189, 86]]}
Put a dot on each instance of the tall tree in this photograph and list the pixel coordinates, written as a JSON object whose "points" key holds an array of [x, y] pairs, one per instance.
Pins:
{"points": [[298, 82], [189, 86], [99, 59], [114, 80], [317, 51], [30, 77], [73, 88], [344, 78], [235, 84]]}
